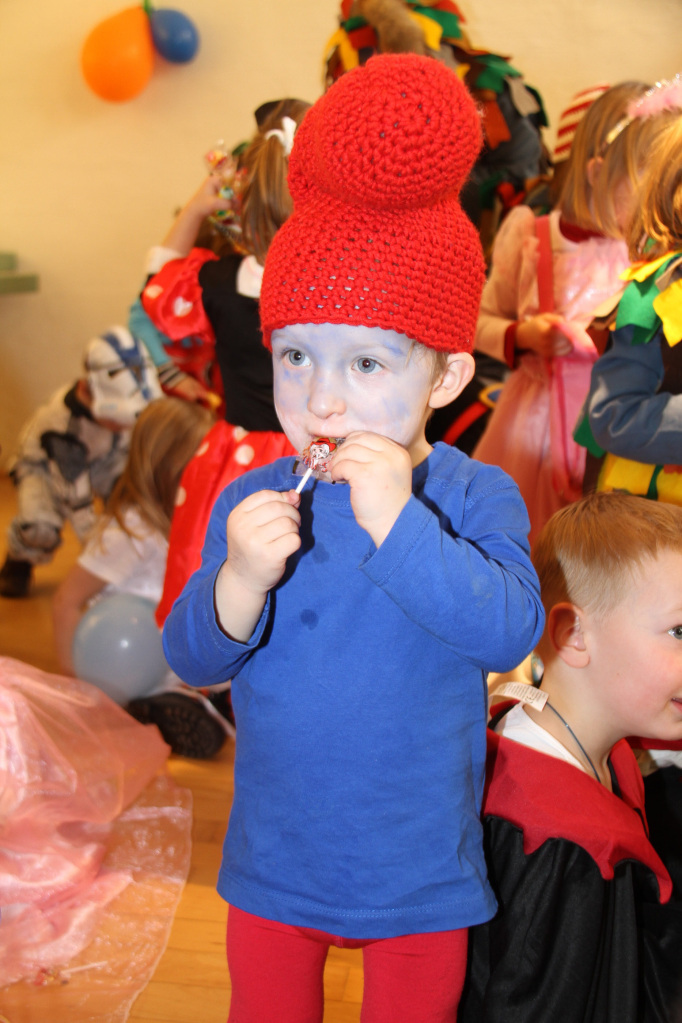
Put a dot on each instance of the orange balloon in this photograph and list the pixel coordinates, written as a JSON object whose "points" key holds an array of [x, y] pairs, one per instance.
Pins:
{"points": [[117, 58]]}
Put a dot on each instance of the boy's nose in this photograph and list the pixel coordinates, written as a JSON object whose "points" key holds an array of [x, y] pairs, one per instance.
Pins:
{"points": [[325, 398]]}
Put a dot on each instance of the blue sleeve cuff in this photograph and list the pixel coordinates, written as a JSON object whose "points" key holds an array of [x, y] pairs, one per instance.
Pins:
{"points": [[195, 645]]}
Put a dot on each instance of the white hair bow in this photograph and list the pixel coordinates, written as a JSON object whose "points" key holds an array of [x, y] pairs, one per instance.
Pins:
{"points": [[285, 134]]}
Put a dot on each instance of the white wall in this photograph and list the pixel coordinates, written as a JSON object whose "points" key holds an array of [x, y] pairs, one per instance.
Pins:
{"points": [[87, 186]]}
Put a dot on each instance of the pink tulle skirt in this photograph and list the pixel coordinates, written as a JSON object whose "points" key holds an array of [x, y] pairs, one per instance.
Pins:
{"points": [[529, 434]]}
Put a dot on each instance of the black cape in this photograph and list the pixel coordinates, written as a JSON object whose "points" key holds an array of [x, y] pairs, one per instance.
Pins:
{"points": [[585, 931]]}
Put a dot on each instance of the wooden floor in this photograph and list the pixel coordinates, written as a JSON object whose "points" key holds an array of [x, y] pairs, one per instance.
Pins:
{"points": [[191, 982]]}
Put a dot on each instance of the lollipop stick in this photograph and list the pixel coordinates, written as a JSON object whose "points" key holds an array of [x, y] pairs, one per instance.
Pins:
{"points": [[305, 479]]}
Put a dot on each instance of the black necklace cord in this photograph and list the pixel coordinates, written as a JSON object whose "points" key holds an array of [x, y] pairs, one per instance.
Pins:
{"points": [[575, 738]]}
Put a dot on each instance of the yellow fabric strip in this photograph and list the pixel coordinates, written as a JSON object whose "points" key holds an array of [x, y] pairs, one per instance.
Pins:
{"points": [[668, 307], [431, 29], [624, 474], [640, 271], [349, 55], [339, 40]]}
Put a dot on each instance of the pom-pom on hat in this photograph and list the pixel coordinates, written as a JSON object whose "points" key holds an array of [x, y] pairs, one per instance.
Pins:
{"points": [[378, 237]]}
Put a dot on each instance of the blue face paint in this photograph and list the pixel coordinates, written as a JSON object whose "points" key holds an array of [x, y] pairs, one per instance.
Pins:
{"points": [[335, 379]]}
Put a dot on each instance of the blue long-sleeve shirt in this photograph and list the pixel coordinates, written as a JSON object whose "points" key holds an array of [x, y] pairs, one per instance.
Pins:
{"points": [[360, 700]]}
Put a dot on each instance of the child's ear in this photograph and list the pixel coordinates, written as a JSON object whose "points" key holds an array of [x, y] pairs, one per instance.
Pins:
{"points": [[594, 169], [454, 378], [83, 392], [565, 632]]}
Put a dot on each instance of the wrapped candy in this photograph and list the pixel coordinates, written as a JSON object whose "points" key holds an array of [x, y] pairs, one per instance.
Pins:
{"points": [[233, 178], [315, 458]]}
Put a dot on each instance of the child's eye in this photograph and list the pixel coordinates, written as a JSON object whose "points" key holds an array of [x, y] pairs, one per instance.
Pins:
{"points": [[296, 358], [367, 365], [675, 632], [115, 372]]}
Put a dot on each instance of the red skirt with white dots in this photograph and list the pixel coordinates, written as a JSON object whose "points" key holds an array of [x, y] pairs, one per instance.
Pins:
{"points": [[225, 453]]}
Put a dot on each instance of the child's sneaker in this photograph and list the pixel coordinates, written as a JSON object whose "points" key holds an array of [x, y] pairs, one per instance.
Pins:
{"points": [[188, 722], [15, 578]]}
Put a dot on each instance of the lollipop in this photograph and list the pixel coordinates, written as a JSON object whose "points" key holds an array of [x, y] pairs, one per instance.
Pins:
{"points": [[316, 457]]}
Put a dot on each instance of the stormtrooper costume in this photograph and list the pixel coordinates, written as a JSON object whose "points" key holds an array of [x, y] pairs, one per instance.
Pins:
{"points": [[70, 452]]}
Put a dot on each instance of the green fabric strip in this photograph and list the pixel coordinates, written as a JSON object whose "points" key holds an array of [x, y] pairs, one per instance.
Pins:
{"points": [[652, 492], [540, 118], [495, 70], [448, 21], [352, 23], [636, 307], [583, 435]]}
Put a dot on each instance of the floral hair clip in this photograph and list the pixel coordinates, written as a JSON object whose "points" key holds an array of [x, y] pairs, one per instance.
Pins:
{"points": [[664, 95]]}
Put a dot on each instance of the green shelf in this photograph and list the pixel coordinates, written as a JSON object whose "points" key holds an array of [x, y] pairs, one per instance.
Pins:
{"points": [[13, 280]]}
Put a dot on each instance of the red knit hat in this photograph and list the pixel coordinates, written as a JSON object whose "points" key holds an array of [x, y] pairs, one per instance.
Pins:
{"points": [[378, 237]]}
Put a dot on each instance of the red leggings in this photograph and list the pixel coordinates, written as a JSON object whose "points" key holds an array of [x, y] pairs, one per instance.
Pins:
{"points": [[276, 972]]}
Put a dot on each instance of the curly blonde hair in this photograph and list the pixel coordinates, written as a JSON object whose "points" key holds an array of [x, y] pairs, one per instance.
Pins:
{"points": [[656, 227]]}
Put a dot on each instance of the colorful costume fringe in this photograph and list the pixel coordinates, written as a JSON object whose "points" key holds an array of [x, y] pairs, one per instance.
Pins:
{"points": [[650, 313]]}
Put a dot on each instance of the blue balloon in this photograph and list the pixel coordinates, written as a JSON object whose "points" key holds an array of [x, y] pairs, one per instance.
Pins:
{"points": [[117, 647], [174, 35]]}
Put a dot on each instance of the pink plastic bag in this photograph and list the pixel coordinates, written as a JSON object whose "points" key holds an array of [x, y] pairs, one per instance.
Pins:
{"points": [[94, 849], [517, 438], [569, 384]]}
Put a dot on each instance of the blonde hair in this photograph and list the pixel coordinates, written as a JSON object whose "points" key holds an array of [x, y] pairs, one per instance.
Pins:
{"points": [[622, 158], [165, 436], [438, 359], [589, 552], [656, 227], [266, 202]]}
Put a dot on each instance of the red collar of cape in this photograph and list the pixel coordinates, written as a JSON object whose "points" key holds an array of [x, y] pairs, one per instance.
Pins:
{"points": [[545, 797]]}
